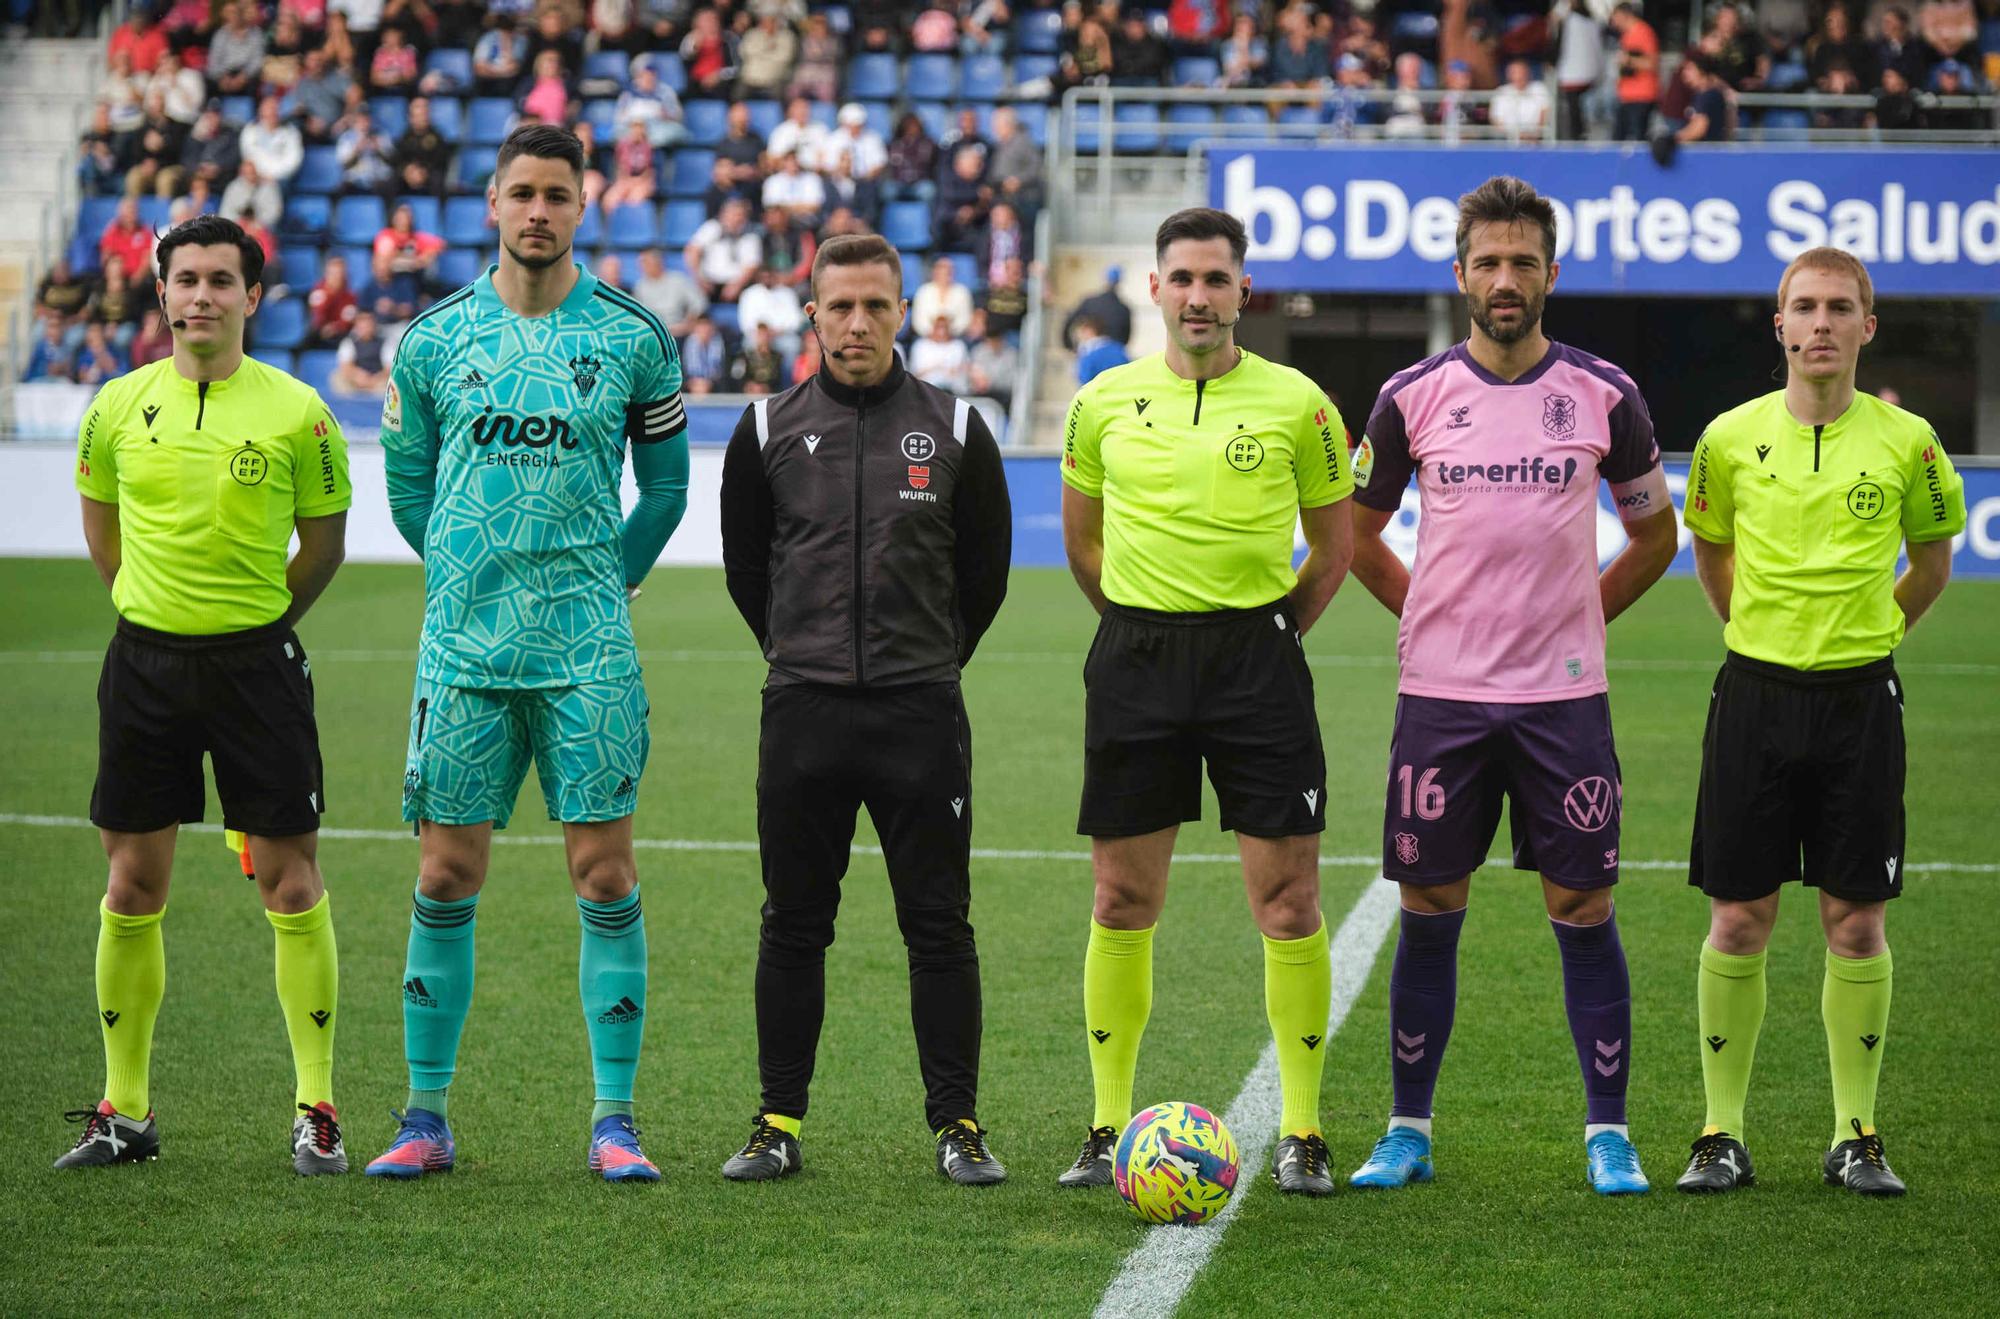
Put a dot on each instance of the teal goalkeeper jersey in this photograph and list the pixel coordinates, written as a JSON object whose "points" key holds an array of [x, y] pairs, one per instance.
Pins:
{"points": [[505, 437]]}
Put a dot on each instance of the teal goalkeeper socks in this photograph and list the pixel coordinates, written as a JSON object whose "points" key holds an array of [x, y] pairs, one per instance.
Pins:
{"points": [[437, 991], [611, 974]]}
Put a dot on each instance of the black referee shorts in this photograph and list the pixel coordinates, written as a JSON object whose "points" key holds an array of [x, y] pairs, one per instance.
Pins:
{"points": [[1165, 692], [243, 698], [1801, 778]]}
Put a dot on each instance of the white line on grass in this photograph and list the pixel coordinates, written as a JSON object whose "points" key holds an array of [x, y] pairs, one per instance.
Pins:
{"points": [[1158, 1273], [504, 839]]}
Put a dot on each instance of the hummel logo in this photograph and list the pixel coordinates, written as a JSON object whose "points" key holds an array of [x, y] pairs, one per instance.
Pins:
{"points": [[149, 413], [958, 806], [1310, 1041], [624, 786], [1458, 421], [1100, 1035], [1870, 1041], [473, 380], [110, 1017], [415, 993], [1762, 449], [1890, 866], [621, 1013], [1312, 798], [1142, 404], [1715, 1043], [812, 443], [320, 1017]]}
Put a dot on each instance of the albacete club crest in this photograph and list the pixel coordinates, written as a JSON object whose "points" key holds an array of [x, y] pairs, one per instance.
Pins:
{"points": [[584, 371], [1558, 416]]}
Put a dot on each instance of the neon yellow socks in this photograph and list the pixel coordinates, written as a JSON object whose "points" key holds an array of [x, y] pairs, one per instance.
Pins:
{"points": [[1298, 990], [131, 980], [308, 973], [789, 1125], [1730, 994], [1855, 1004], [1117, 1001]]}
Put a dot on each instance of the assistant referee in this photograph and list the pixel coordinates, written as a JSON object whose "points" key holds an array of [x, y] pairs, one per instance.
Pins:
{"points": [[1799, 502], [866, 537], [1185, 474], [195, 473]]}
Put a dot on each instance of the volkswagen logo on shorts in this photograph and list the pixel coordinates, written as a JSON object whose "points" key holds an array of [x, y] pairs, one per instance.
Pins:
{"points": [[1591, 803], [919, 447]]}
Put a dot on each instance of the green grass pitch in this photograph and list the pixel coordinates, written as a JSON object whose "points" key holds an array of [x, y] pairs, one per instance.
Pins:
{"points": [[221, 1224]]}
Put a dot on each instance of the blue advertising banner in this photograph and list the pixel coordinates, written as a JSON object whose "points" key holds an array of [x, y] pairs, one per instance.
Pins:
{"points": [[1035, 485], [1366, 219]]}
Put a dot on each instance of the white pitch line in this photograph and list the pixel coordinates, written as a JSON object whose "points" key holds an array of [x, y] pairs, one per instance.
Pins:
{"points": [[1158, 1273], [505, 839]]}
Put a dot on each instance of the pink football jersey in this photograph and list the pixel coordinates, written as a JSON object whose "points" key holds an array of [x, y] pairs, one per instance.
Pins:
{"points": [[1503, 603]]}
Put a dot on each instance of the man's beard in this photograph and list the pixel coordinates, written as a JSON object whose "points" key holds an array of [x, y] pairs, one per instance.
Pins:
{"points": [[535, 262], [1531, 316]]}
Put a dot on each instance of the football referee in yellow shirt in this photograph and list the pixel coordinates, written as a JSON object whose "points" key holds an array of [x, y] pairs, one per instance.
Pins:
{"points": [[1185, 474], [195, 472], [1799, 502]]}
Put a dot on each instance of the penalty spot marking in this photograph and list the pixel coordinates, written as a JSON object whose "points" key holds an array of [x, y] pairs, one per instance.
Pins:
{"points": [[1157, 1274]]}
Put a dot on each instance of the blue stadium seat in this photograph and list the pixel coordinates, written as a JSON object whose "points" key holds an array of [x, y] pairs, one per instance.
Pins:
{"points": [[965, 269], [931, 78], [356, 220], [872, 77], [359, 262], [881, 118], [453, 64], [448, 117], [1040, 31], [637, 225], [983, 78], [83, 254], [300, 267], [676, 261], [305, 218], [727, 317], [486, 125], [673, 73], [475, 166], [590, 233], [1090, 118], [238, 110], [1137, 128], [1789, 77], [936, 117], [1197, 71], [1027, 68], [1786, 123], [1246, 116], [391, 115], [825, 114], [459, 266], [319, 172], [1034, 117], [94, 215], [425, 211], [907, 225], [154, 212], [602, 115], [1188, 123], [465, 222], [915, 271], [280, 323], [765, 115], [838, 17], [707, 121], [682, 219], [315, 368], [1413, 27], [691, 169], [607, 66]]}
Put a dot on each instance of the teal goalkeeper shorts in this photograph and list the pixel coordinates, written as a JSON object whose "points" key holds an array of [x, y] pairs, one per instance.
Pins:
{"points": [[470, 748]]}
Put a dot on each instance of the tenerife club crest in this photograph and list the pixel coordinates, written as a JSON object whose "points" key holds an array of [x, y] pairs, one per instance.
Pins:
{"points": [[1558, 416], [584, 371]]}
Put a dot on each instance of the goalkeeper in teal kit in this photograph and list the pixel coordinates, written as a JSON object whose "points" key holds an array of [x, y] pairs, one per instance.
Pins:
{"points": [[504, 426]]}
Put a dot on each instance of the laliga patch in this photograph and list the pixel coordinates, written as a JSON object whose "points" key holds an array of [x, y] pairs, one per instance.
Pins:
{"points": [[1364, 462], [392, 408]]}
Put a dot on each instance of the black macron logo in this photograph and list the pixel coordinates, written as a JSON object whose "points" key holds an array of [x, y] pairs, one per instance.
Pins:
{"points": [[149, 412], [624, 786], [1870, 1041], [320, 1017], [1100, 1035], [1310, 1041], [110, 1017], [1142, 405], [1762, 450], [1715, 1043]]}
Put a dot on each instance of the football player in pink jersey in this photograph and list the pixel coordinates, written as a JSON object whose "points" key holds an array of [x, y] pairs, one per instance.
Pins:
{"points": [[1502, 654]]}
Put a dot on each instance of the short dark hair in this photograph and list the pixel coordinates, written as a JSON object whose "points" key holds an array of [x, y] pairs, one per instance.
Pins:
{"points": [[547, 141], [212, 231], [1200, 223], [857, 250], [1504, 199]]}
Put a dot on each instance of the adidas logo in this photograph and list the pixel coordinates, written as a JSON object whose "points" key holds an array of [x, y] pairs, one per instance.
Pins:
{"points": [[1310, 1041], [149, 413], [1870, 1041], [1715, 1043], [416, 995], [320, 1017], [473, 380], [1100, 1035], [621, 1013], [110, 1017], [624, 786]]}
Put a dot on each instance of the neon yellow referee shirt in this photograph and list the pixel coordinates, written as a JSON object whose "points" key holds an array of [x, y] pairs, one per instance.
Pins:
{"points": [[1818, 515], [208, 479], [1203, 480]]}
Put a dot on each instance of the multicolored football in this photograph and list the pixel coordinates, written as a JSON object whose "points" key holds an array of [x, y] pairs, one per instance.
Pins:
{"points": [[1175, 1163]]}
